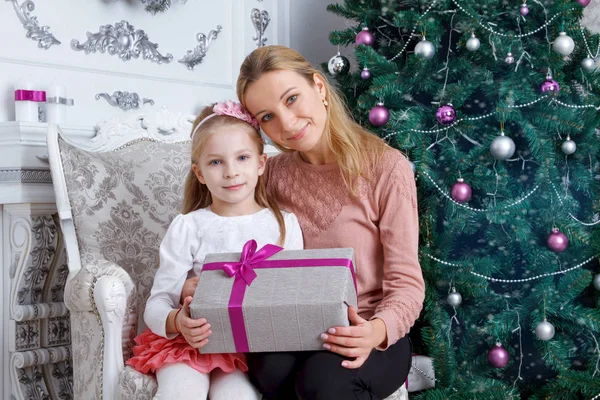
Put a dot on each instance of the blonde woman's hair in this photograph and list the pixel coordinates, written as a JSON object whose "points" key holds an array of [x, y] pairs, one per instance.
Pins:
{"points": [[196, 195], [355, 149]]}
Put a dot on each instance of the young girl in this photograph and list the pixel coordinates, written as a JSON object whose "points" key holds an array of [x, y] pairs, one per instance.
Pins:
{"points": [[224, 205]]}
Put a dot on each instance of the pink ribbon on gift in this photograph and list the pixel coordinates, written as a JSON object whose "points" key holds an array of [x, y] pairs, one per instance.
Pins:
{"points": [[30, 95], [244, 274]]}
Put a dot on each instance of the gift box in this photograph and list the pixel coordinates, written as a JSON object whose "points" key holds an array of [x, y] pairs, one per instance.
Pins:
{"points": [[274, 299], [29, 102], [421, 375]]}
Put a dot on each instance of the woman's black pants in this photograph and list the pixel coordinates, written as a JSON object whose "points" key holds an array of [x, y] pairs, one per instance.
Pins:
{"points": [[320, 376]]}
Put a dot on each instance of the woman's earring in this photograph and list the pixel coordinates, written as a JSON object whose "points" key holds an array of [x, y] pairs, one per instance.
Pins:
{"points": [[325, 103]]}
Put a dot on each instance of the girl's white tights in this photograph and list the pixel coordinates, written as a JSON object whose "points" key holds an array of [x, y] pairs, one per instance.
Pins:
{"points": [[179, 381]]}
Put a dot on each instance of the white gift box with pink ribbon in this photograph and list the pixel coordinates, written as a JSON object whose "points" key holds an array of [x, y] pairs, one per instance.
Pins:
{"points": [[273, 299]]}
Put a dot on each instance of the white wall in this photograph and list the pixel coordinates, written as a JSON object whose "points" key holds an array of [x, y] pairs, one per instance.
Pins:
{"points": [[310, 25]]}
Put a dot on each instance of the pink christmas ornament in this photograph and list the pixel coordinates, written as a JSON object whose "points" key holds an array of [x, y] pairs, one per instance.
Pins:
{"points": [[461, 191], [524, 10], [365, 37], [445, 114], [584, 3], [557, 241], [379, 115], [549, 86], [365, 73], [498, 356]]}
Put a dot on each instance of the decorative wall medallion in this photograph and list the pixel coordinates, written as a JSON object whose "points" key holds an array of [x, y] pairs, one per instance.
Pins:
{"points": [[34, 31], [124, 100], [195, 57], [260, 20], [123, 40]]}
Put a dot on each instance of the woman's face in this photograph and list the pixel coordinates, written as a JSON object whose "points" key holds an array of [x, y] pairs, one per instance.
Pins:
{"points": [[289, 109]]}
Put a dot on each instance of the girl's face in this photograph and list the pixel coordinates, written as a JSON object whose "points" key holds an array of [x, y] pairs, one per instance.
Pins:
{"points": [[229, 165], [289, 109]]}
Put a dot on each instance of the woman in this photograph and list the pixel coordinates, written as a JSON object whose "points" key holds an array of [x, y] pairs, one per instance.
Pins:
{"points": [[348, 189]]}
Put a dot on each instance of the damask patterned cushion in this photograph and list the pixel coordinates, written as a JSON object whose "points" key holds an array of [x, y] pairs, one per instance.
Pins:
{"points": [[123, 202], [135, 385]]}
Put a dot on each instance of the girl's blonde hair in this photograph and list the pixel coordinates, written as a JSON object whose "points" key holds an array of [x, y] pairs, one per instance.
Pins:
{"points": [[196, 195], [355, 149]]}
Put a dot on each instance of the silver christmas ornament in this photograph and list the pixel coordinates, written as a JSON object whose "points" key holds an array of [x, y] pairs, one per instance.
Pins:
{"points": [[502, 147], [454, 298], [544, 330], [425, 49], [413, 167], [563, 44], [588, 64], [568, 147], [473, 43], [338, 65], [509, 59], [597, 282]]}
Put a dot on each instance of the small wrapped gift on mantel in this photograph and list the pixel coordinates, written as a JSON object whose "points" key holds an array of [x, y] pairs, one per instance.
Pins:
{"points": [[29, 102], [274, 299]]}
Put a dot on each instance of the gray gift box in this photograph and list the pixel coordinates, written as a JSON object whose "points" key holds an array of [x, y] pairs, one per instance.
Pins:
{"points": [[284, 308]]}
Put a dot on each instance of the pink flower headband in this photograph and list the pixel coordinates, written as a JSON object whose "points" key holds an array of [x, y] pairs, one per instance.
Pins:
{"points": [[231, 109]]}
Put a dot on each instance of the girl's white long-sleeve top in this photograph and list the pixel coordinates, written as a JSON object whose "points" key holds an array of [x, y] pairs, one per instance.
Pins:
{"points": [[191, 237]]}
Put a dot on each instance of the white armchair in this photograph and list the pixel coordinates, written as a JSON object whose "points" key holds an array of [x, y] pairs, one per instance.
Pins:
{"points": [[116, 196]]}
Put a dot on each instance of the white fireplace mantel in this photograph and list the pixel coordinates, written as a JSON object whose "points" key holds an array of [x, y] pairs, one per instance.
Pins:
{"points": [[35, 335]]}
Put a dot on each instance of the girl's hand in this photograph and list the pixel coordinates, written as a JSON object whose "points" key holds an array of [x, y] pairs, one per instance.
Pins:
{"points": [[195, 331], [356, 341], [189, 288]]}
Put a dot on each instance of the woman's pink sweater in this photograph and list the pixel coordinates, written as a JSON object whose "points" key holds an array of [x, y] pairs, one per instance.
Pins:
{"points": [[380, 223]]}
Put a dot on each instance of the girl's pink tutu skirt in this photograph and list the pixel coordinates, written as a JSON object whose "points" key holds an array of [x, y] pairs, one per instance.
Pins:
{"points": [[152, 352]]}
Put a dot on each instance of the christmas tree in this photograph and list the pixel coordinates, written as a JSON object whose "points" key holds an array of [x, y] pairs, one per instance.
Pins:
{"points": [[496, 105]]}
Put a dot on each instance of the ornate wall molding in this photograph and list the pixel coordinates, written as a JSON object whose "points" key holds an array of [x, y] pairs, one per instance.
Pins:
{"points": [[25, 175], [27, 335], [44, 38], [42, 374], [124, 40], [44, 240], [260, 21], [196, 56], [39, 336], [124, 100], [58, 331], [61, 387], [29, 312]]}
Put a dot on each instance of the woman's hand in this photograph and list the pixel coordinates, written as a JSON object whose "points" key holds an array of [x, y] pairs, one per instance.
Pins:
{"points": [[356, 341], [195, 331], [189, 288]]}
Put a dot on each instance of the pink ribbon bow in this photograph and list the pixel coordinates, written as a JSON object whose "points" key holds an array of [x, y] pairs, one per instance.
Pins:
{"points": [[250, 257]]}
